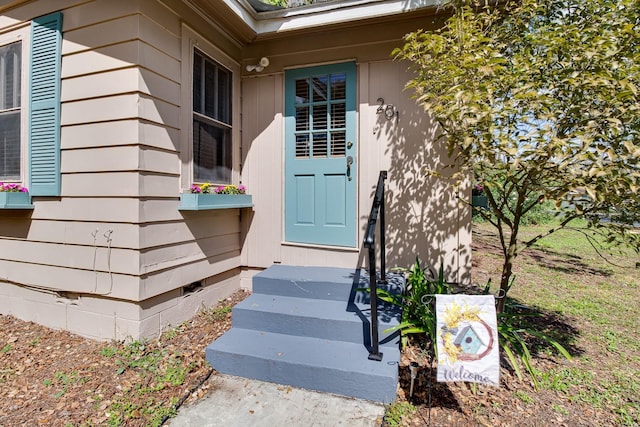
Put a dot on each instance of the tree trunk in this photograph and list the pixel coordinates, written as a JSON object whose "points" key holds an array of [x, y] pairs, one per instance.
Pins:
{"points": [[507, 272]]}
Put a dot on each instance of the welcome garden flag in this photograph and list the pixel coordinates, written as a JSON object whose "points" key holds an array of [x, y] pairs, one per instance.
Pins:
{"points": [[467, 334]]}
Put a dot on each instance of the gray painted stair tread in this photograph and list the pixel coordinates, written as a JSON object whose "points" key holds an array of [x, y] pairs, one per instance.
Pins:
{"points": [[309, 274], [313, 318], [306, 307], [318, 282], [307, 282], [312, 363], [304, 350]]}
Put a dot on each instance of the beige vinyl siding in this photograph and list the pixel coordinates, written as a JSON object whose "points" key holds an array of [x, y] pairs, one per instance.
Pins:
{"points": [[122, 132], [115, 238], [12, 15], [106, 95], [124, 261], [68, 232], [262, 172], [57, 279], [120, 159]]}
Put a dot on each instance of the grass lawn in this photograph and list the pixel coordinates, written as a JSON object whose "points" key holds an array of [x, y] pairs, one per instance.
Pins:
{"points": [[590, 302]]}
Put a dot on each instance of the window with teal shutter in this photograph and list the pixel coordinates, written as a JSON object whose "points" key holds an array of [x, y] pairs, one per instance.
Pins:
{"points": [[44, 106]]}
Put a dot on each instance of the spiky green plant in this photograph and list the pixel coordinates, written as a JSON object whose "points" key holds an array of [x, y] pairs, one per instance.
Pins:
{"points": [[418, 315]]}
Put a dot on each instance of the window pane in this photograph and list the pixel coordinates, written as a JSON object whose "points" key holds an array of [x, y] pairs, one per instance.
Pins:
{"points": [[211, 153], [302, 118], [338, 86], [320, 116], [320, 145], [10, 60], [302, 91], [338, 144], [338, 115], [210, 88], [302, 146], [197, 83], [320, 89], [10, 145], [224, 96]]}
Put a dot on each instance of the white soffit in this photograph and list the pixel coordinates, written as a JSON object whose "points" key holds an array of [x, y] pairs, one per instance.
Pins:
{"points": [[320, 14]]}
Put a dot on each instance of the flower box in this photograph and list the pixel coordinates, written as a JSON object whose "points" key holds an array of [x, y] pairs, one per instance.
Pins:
{"points": [[15, 200], [200, 201], [480, 201]]}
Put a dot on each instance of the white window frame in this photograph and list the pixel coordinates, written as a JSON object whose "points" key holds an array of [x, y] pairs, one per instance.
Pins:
{"points": [[23, 35], [192, 41]]}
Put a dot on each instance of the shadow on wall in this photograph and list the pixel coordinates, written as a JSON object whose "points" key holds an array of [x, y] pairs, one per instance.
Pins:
{"points": [[15, 223], [423, 214]]}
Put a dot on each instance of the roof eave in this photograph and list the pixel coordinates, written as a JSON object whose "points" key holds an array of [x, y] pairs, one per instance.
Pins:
{"points": [[271, 23]]}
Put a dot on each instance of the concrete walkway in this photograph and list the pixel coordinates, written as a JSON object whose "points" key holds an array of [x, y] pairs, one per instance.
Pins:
{"points": [[235, 401]]}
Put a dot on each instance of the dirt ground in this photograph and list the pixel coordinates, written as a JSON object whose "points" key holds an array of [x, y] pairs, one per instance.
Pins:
{"points": [[55, 378]]}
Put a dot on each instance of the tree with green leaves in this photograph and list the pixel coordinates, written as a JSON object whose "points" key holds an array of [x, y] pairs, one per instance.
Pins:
{"points": [[539, 101]]}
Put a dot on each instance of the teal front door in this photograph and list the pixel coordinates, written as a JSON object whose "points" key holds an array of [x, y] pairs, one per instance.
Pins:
{"points": [[320, 155]]}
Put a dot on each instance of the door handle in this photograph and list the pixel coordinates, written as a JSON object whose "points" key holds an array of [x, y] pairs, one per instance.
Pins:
{"points": [[349, 162]]}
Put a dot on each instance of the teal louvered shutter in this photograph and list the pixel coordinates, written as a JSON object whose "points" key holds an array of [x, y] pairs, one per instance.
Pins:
{"points": [[44, 106]]}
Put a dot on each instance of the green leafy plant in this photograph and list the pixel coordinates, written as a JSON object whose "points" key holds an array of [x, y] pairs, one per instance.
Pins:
{"points": [[281, 3], [216, 314], [418, 315], [157, 369], [136, 356], [109, 352], [207, 188], [64, 381], [397, 412], [524, 397]]}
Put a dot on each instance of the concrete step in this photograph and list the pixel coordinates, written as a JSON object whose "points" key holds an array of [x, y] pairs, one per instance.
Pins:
{"points": [[318, 318], [308, 282], [312, 363], [330, 283]]}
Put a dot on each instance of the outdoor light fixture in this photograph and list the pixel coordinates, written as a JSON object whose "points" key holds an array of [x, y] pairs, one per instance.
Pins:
{"points": [[264, 62]]}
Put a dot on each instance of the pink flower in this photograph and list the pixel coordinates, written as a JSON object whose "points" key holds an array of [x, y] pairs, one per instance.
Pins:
{"points": [[13, 187]]}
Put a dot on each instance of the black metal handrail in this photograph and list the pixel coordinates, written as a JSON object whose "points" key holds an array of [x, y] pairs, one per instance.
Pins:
{"points": [[377, 207]]}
